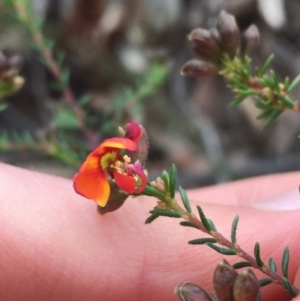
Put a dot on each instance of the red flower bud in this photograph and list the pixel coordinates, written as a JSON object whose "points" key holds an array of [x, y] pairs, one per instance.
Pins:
{"points": [[205, 45], [223, 280], [197, 68], [229, 33], [135, 132], [191, 292], [246, 286], [249, 40]]}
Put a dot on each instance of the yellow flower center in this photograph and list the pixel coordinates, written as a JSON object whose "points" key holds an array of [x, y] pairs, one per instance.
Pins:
{"points": [[108, 159], [121, 166]]}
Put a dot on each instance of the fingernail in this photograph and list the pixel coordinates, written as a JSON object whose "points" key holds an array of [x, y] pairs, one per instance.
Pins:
{"points": [[286, 201]]}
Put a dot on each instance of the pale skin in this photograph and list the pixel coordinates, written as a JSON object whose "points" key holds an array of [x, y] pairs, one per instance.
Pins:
{"points": [[55, 246]]}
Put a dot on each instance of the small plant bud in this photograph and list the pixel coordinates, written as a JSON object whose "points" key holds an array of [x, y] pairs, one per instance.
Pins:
{"points": [[249, 40], [197, 68], [229, 33], [246, 286], [223, 280], [159, 185], [191, 292], [205, 46], [215, 34], [135, 132]]}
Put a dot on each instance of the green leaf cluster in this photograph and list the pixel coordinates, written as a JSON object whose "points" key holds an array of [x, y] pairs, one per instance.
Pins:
{"points": [[3, 106], [211, 242], [170, 180], [7, 88], [16, 141], [155, 213], [132, 99], [65, 118], [273, 267], [271, 96]]}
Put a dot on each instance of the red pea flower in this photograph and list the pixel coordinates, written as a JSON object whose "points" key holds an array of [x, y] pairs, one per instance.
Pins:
{"points": [[107, 162]]}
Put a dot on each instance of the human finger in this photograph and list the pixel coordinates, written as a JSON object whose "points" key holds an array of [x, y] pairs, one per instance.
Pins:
{"points": [[54, 245]]}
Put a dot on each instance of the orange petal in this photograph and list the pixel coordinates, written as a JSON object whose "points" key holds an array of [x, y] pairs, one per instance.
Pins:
{"points": [[125, 182], [115, 143], [91, 181]]}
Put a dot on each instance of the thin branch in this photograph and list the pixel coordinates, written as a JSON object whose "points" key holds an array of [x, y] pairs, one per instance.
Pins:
{"points": [[240, 252], [52, 65]]}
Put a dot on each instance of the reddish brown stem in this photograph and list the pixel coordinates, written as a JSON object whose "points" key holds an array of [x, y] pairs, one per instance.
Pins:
{"points": [[67, 93], [240, 252], [69, 97]]}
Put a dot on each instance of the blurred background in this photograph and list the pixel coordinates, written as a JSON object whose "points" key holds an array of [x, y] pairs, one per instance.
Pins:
{"points": [[121, 59]]}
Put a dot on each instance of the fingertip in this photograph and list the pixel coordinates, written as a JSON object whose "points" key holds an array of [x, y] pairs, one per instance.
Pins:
{"points": [[287, 201], [247, 191]]}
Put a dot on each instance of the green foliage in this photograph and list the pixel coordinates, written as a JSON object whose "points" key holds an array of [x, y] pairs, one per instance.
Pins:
{"points": [[166, 178], [288, 287], [272, 265], [271, 116], [3, 105], [14, 141], [58, 149], [224, 251], [212, 225], [241, 264], [259, 262], [84, 100], [151, 191], [185, 200], [74, 115], [233, 229], [265, 282], [202, 241], [221, 245], [237, 101], [188, 224], [62, 150], [165, 212], [285, 262], [285, 101], [265, 66], [151, 218], [204, 220], [132, 99], [271, 96], [145, 87], [65, 118], [173, 180], [6, 88], [293, 84]]}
